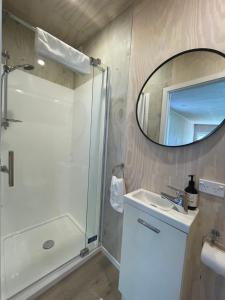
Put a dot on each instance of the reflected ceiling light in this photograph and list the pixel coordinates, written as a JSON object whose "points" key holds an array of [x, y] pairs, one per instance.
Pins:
{"points": [[19, 91], [41, 62]]}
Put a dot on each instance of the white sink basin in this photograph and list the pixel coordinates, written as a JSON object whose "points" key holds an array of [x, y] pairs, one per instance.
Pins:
{"points": [[161, 208], [153, 199]]}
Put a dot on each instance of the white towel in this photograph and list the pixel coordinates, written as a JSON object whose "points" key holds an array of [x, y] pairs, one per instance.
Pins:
{"points": [[49, 46], [117, 191]]}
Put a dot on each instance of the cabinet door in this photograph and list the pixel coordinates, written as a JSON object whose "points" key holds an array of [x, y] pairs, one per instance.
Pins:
{"points": [[151, 262]]}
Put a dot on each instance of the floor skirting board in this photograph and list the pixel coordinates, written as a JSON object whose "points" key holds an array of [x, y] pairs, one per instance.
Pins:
{"points": [[111, 258]]}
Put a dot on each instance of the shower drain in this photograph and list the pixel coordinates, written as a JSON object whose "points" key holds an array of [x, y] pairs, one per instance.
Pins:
{"points": [[48, 244]]}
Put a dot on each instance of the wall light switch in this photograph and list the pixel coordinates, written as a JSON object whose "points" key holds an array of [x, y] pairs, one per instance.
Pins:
{"points": [[212, 187]]}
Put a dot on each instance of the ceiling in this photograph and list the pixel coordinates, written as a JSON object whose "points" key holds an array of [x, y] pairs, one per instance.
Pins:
{"points": [[201, 103], [73, 21]]}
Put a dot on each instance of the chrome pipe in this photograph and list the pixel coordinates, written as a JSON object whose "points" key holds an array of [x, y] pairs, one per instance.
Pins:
{"points": [[18, 20], [105, 151], [5, 123]]}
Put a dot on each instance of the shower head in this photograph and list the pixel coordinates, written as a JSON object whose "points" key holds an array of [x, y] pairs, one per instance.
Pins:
{"points": [[26, 67]]}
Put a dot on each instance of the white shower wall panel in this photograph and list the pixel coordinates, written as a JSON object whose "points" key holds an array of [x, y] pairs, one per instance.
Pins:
{"points": [[42, 148]]}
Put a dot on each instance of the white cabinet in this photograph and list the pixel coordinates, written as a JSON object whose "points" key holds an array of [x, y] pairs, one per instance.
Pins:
{"points": [[152, 257]]}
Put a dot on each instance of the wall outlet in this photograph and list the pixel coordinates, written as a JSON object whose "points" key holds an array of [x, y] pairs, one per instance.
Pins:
{"points": [[212, 187]]}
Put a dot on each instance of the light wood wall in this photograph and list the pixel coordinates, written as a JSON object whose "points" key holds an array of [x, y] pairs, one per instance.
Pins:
{"points": [[161, 29]]}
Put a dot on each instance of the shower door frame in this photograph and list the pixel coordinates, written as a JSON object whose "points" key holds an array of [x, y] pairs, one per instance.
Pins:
{"points": [[105, 151], [0, 153]]}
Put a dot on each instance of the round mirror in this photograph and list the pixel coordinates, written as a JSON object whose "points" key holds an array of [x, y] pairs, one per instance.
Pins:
{"points": [[183, 100]]}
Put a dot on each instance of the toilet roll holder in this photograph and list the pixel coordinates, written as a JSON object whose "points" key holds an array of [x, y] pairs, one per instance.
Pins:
{"points": [[213, 239]]}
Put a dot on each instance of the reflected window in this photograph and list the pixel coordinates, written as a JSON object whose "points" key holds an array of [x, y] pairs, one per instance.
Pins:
{"points": [[192, 112]]}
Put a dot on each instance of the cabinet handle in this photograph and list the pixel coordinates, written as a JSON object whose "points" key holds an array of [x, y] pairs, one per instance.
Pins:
{"points": [[149, 226]]}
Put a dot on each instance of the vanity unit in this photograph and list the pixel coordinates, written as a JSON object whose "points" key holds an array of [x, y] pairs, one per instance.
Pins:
{"points": [[153, 247]]}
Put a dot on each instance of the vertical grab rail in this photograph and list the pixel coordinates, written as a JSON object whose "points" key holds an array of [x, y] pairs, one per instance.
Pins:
{"points": [[10, 169]]}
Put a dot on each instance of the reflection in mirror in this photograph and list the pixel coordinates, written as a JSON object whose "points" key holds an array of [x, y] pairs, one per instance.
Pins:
{"points": [[183, 101]]}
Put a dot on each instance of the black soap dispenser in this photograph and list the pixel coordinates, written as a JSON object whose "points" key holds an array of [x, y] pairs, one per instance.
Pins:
{"points": [[191, 194]]}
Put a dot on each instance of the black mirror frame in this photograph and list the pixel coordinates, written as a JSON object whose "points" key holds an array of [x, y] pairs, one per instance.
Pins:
{"points": [[166, 61]]}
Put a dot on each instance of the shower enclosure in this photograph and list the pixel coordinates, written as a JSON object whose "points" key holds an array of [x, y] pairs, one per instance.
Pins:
{"points": [[52, 162]]}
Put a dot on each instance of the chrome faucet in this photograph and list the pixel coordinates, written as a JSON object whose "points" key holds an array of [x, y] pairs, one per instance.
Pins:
{"points": [[180, 198]]}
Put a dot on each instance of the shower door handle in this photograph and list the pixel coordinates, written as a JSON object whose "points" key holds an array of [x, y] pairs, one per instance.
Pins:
{"points": [[10, 169]]}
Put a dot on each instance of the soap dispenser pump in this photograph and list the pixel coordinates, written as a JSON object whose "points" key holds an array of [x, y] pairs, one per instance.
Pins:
{"points": [[191, 194]]}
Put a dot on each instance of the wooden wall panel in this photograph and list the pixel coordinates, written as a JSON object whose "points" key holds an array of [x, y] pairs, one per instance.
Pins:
{"points": [[161, 29]]}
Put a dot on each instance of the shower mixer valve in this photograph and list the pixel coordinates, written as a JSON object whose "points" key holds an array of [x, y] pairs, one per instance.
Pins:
{"points": [[7, 69], [5, 122]]}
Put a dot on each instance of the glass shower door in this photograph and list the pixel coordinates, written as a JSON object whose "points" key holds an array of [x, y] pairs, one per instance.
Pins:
{"points": [[90, 131], [52, 212], [100, 108]]}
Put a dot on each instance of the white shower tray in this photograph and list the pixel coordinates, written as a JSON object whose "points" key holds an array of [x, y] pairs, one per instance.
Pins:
{"points": [[24, 259]]}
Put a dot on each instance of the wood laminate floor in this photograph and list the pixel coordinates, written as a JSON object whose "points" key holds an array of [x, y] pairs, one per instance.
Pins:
{"points": [[97, 279]]}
